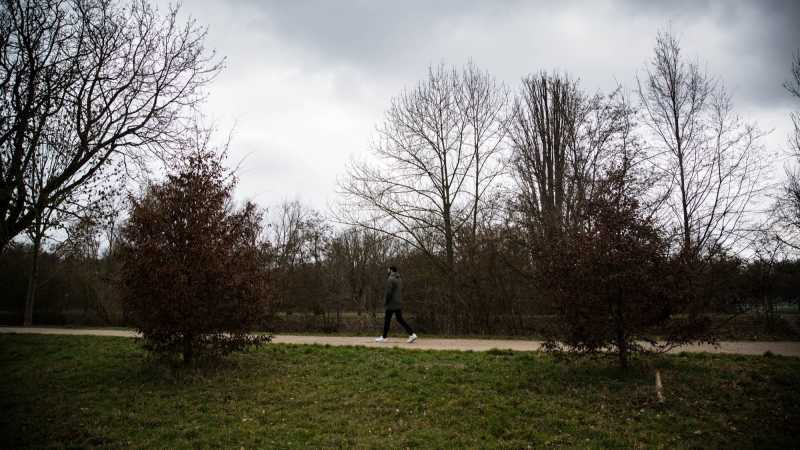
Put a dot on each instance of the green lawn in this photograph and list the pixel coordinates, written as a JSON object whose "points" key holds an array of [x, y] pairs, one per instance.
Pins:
{"points": [[104, 392]]}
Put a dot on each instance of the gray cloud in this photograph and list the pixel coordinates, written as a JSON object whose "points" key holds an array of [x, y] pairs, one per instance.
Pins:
{"points": [[308, 80], [748, 43]]}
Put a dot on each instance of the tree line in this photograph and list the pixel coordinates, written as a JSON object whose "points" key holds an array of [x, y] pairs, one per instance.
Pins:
{"points": [[597, 220]]}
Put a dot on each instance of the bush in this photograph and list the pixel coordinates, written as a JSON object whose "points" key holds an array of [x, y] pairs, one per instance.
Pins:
{"points": [[612, 283], [191, 273]]}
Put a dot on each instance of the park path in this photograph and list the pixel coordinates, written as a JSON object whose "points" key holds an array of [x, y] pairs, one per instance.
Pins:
{"points": [[786, 348]]}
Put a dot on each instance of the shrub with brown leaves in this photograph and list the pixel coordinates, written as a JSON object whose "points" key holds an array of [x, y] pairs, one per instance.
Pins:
{"points": [[613, 284], [191, 274]]}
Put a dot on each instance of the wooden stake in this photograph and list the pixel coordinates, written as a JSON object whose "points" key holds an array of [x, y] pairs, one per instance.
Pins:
{"points": [[659, 387]]}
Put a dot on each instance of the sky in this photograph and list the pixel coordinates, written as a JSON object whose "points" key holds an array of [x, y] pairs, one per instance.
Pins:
{"points": [[307, 82]]}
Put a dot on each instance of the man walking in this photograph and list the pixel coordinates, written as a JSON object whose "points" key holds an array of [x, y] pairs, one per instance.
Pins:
{"points": [[393, 300]]}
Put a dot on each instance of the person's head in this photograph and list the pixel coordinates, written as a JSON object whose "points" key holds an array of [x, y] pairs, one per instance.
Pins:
{"points": [[392, 269]]}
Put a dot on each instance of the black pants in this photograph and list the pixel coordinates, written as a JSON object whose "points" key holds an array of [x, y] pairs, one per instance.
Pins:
{"points": [[388, 318]]}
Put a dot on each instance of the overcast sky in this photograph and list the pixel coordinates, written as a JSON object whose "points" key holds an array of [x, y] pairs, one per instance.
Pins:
{"points": [[306, 82]]}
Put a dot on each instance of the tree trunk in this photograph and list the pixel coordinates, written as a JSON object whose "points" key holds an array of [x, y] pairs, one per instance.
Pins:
{"points": [[622, 351], [450, 290], [477, 195], [33, 280], [770, 313], [187, 349], [687, 232], [622, 341]]}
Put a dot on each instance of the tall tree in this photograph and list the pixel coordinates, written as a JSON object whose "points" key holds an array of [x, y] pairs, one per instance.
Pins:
{"points": [[483, 103], [299, 238], [708, 156], [358, 257], [561, 140], [114, 79], [788, 206], [793, 86], [91, 199], [435, 139]]}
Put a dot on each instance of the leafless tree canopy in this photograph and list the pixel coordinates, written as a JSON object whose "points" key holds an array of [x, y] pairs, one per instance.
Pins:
{"points": [[437, 157], [708, 156], [358, 257], [299, 238], [788, 206], [793, 87], [86, 203], [483, 104], [562, 140], [82, 82]]}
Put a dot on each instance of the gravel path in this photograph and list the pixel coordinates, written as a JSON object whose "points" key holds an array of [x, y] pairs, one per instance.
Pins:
{"points": [[786, 348]]}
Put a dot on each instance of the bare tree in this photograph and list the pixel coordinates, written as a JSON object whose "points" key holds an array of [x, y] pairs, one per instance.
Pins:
{"points": [[37, 233], [708, 156], [359, 256], [437, 139], [91, 199], [117, 77], [793, 87], [299, 239], [768, 251], [788, 206], [562, 139], [483, 102], [287, 232]]}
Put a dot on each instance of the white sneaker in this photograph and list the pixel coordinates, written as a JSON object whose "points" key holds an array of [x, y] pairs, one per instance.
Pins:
{"points": [[412, 338], [381, 339]]}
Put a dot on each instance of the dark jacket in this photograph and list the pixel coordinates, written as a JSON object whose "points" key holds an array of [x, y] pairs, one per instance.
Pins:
{"points": [[393, 299]]}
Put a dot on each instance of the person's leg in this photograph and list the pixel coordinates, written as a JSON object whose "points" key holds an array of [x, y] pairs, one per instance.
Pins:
{"points": [[386, 320], [399, 315]]}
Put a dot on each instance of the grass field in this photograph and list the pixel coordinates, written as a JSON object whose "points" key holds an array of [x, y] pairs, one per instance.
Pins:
{"points": [[67, 391]]}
